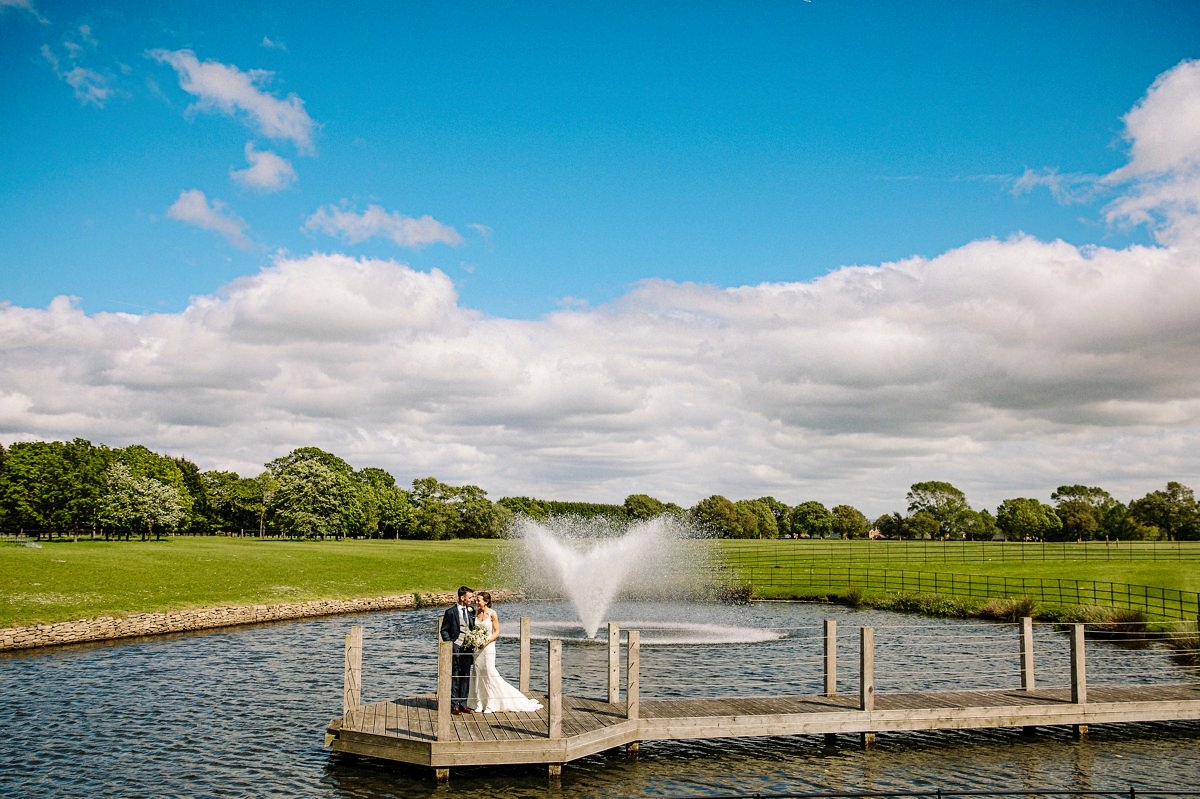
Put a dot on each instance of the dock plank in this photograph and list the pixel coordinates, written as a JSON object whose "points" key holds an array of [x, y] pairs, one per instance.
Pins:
{"points": [[405, 729]]}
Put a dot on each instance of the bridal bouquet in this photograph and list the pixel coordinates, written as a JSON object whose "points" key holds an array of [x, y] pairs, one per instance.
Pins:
{"points": [[475, 638]]}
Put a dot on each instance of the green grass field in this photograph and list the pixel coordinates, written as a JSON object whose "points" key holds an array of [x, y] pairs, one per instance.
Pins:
{"points": [[61, 581], [1162, 579]]}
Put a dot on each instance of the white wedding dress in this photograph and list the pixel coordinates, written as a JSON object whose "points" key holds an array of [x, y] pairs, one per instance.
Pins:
{"points": [[489, 692]]}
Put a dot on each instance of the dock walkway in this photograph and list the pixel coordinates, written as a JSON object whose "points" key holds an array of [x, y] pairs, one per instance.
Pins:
{"points": [[419, 730]]}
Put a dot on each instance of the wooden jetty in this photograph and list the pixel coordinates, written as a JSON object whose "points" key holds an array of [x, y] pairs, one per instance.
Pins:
{"points": [[420, 730]]}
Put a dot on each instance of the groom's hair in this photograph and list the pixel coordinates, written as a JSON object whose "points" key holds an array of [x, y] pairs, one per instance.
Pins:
{"points": [[462, 589]]}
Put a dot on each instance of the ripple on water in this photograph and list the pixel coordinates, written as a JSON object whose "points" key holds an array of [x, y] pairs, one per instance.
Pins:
{"points": [[242, 712]]}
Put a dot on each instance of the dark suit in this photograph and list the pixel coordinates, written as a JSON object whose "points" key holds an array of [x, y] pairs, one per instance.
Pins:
{"points": [[460, 661]]}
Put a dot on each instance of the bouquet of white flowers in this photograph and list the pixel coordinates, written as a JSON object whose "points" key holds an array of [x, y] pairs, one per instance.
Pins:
{"points": [[475, 638]]}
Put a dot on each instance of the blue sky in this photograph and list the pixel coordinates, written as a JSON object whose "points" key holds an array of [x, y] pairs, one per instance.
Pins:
{"points": [[532, 171], [595, 145]]}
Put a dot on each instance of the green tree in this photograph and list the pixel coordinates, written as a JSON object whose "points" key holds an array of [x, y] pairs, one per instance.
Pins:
{"points": [[313, 500], [1120, 524], [525, 506], [718, 516], [197, 517], [755, 519], [1082, 510], [145, 503], [811, 519], [1173, 511], [327, 459], [944, 502], [443, 511], [1025, 519], [268, 490], [922, 525], [52, 486], [643, 506], [395, 512], [781, 511], [982, 526], [233, 502], [849, 522], [890, 525]]}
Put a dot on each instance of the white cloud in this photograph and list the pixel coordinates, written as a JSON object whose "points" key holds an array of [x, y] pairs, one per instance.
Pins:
{"points": [[1163, 173], [405, 231], [1163, 129], [90, 86], [26, 6], [1006, 366], [1065, 188], [267, 171], [229, 90], [193, 207]]}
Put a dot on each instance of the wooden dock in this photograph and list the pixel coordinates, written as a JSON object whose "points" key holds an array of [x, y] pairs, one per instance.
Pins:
{"points": [[420, 730]]}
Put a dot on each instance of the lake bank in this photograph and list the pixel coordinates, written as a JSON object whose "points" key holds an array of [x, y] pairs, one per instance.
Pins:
{"points": [[136, 625]]}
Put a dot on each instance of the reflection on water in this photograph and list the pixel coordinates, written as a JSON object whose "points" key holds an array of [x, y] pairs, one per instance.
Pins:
{"points": [[242, 712]]}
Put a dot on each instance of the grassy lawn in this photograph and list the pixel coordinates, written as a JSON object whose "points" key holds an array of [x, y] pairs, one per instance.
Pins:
{"points": [[62, 581], [788, 569]]}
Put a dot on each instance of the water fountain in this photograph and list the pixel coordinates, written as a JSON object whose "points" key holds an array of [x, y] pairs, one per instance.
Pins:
{"points": [[593, 562]]}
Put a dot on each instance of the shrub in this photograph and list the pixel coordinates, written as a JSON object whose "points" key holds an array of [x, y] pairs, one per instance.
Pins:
{"points": [[1009, 608], [1124, 625]]}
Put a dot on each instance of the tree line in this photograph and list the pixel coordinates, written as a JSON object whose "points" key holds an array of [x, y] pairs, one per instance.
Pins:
{"points": [[77, 487]]}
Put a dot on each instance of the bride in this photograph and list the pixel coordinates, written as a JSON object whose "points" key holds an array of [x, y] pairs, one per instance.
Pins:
{"points": [[489, 692]]}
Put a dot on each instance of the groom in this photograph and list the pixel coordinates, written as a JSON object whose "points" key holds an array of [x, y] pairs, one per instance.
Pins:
{"points": [[455, 623]]}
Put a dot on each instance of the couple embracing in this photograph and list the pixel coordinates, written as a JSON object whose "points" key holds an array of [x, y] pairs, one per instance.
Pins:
{"points": [[475, 685]]}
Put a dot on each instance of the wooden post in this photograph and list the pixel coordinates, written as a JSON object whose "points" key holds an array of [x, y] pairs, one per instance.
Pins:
{"points": [[866, 692], [554, 675], [614, 663], [523, 683], [633, 677], [1078, 666], [445, 656], [352, 678], [831, 657], [1027, 681]]}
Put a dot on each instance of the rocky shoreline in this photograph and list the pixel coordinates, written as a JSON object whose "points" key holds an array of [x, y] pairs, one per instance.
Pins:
{"points": [[136, 625]]}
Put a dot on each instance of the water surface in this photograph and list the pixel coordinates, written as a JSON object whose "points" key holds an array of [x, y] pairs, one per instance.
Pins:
{"points": [[242, 711]]}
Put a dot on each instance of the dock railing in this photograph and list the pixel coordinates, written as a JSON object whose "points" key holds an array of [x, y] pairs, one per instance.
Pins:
{"points": [[982, 654]]}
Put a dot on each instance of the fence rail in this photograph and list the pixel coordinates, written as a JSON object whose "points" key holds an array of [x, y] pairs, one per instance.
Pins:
{"points": [[940, 793], [879, 552], [1166, 603]]}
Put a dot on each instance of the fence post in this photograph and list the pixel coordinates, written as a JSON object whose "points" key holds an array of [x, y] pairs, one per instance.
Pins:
{"points": [[445, 656], [1078, 666], [1027, 681], [866, 693], [633, 678], [614, 662], [554, 672], [523, 680], [352, 678], [831, 657]]}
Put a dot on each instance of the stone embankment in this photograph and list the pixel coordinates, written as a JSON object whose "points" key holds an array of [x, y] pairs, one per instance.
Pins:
{"points": [[135, 625]]}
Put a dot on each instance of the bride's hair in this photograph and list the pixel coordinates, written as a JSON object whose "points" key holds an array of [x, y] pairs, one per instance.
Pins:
{"points": [[486, 596]]}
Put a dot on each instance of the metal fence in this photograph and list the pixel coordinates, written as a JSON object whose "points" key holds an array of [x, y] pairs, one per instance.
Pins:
{"points": [[880, 552], [1166, 603], [940, 793]]}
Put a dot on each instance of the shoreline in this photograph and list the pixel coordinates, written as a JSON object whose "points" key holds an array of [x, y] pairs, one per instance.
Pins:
{"points": [[139, 625]]}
